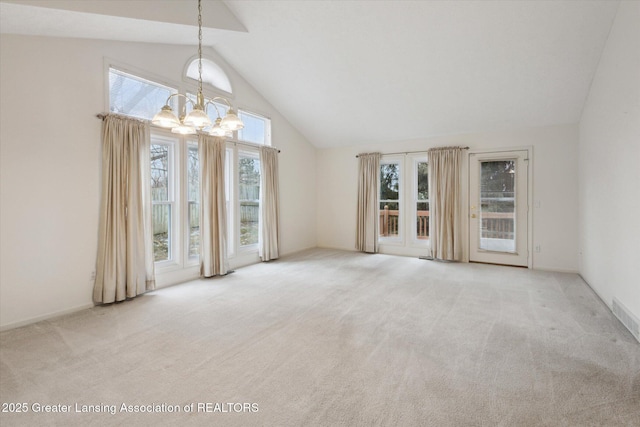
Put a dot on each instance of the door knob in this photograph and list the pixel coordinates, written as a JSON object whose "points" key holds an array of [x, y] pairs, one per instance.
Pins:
{"points": [[473, 215]]}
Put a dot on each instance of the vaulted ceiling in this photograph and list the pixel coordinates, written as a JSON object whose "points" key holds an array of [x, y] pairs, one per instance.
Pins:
{"points": [[353, 72]]}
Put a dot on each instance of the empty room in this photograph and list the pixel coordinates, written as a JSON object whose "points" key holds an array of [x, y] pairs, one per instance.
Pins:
{"points": [[319, 213]]}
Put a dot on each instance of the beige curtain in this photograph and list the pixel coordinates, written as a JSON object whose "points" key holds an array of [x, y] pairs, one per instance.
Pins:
{"points": [[125, 247], [213, 209], [445, 196], [269, 204], [368, 210]]}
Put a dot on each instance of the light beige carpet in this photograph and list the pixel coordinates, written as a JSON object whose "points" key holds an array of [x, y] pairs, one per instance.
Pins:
{"points": [[330, 338]]}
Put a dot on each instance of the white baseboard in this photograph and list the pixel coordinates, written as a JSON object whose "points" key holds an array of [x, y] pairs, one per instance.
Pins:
{"points": [[612, 309], [47, 316], [556, 270]]}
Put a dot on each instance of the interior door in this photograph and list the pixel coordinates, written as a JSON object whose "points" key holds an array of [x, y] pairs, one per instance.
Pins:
{"points": [[498, 207]]}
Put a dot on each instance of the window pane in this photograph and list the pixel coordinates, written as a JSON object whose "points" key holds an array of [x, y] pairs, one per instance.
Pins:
{"points": [[249, 195], [193, 172], [423, 181], [255, 128], [389, 181], [497, 205], [159, 173], [134, 96], [422, 201], [422, 220], [194, 229], [193, 185], [161, 232], [389, 216], [162, 200], [389, 199]]}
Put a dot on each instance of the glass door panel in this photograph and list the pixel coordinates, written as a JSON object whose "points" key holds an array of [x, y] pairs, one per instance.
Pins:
{"points": [[497, 205]]}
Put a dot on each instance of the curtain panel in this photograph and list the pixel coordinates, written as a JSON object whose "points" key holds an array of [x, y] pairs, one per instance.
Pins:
{"points": [[269, 241], [124, 266], [445, 223], [213, 207], [368, 195]]}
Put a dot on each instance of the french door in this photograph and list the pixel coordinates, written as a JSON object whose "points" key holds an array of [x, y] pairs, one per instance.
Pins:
{"points": [[498, 208]]}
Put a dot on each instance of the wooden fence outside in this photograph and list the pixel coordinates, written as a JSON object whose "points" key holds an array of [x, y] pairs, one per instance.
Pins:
{"points": [[495, 225]]}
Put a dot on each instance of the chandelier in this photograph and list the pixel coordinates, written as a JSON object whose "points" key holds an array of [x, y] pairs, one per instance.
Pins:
{"points": [[197, 119]]}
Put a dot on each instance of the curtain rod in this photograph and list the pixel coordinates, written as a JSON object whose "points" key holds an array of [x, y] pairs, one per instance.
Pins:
{"points": [[103, 116], [252, 145], [412, 152]]}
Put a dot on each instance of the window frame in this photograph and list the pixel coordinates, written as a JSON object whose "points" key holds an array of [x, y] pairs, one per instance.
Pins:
{"points": [[174, 250], [179, 182], [267, 128]]}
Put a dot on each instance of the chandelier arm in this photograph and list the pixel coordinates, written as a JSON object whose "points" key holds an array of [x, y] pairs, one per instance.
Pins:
{"points": [[179, 94], [226, 101]]}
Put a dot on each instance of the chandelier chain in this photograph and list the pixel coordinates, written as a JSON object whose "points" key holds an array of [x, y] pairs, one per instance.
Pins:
{"points": [[197, 119], [200, 46]]}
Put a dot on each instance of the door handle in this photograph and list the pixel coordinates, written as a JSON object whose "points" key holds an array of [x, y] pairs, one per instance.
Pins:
{"points": [[473, 215]]}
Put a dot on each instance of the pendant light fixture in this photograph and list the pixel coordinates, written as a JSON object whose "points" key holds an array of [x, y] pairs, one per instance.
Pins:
{"points": [[197, 119]]}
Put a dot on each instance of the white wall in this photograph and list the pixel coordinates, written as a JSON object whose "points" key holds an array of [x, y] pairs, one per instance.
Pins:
{"points": [[555, 187], [50, 166], [609, 164]]}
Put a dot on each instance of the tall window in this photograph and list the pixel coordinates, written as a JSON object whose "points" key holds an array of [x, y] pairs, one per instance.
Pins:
{"points": [[249, 197], [175, 199], [421, 199], [390, 200], [162, 200]]}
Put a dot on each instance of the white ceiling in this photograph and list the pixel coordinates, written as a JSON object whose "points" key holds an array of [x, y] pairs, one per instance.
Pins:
{"points": [[354, 72], [152, 21]]}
